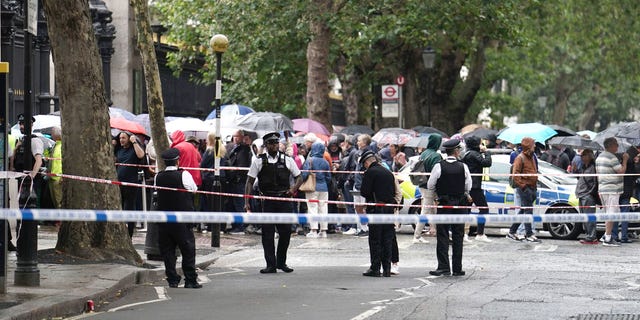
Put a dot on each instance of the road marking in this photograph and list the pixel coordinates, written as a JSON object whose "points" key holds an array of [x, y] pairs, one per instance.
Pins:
{"points": [[162, 296], [233, 270], [368, 313], [545, 248]]}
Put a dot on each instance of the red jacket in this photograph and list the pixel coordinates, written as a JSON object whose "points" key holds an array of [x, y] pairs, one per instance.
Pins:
{"points": [[189, 155]]}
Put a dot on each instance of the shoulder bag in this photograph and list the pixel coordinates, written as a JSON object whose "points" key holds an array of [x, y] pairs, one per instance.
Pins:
{"points": [[309, 185]]}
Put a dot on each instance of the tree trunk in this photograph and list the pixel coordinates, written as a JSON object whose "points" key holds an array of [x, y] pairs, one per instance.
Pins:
{"points": [[152, 79], [349, 93], [317, 60], [86, 135], [562, 93], [445, 76], [589, 118], [467, 90]]}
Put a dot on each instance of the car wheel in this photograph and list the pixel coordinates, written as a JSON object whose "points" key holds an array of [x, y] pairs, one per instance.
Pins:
{"points": [[415, 210], [564, 230]]}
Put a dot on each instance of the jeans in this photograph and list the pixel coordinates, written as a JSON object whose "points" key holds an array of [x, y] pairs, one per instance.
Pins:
{"points": [[527, 198], [590, 227]]}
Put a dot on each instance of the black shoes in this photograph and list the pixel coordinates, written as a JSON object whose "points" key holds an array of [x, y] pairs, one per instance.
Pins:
{"points": [[192, 285], [285, 268], [458, 274], [372, 273], [11, 247], [173, 284], [440, 272], [268, 270], [386, 273]]}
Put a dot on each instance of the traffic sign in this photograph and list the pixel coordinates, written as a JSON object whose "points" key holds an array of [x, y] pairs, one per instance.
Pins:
{"points": [[400, 80], [390, 92]]}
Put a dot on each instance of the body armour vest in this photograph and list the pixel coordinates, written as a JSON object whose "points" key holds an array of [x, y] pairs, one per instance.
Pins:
{"points": [[451, 181], [273, 178], [18, 159], [173, 200]]}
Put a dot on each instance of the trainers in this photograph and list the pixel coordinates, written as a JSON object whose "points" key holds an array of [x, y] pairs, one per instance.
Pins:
{"points": [[466, 238], [312, 234], [420, 240], [626, 241], [610, 243], [322, 234], [532, 238], [483, 238], [351, 231], [395, 270], [513, 237], [362, 234], [236, 232]]}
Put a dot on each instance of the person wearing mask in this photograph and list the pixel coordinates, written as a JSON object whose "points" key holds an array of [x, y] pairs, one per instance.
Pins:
{"points": [[587, 193], [378, 186], [610, 184], [477, 158], [526, 189], [316, 163], [430, 156], [273, 171], [451, 181], [172, 235]]}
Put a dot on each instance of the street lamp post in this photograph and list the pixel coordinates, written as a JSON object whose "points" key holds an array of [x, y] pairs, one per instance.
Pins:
{"points": [[429, 59], [542, 101], [219, 43]]}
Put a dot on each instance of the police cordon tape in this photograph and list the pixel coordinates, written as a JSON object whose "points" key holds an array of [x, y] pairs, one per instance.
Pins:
{"points": [[292, 218]]}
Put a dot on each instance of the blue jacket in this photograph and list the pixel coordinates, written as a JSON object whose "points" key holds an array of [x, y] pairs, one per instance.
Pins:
{"points": [[319, 163]]}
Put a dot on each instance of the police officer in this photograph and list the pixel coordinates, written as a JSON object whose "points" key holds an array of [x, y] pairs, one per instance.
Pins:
{"points": [[378, 186], [171, 235], [451, 181], [273, 171]]}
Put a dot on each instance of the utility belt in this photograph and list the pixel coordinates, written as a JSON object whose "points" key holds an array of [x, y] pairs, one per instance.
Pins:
{"points": [[453, 199]]}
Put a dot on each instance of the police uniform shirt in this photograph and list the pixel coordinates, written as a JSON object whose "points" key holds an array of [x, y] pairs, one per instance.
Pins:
{"points": [[436, 171], [256, 165], [187, 179]]}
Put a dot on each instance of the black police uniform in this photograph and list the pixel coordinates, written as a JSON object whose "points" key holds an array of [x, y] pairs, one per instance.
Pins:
{"points": [[378, 186], [171, 235], [450, 188]]}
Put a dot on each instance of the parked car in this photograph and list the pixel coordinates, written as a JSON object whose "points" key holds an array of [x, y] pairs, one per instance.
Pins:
{"points": [[555, 195]]}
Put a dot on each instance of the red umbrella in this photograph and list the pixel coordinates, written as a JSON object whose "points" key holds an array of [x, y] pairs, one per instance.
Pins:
{"points": [[126, 125], [307, 125]]}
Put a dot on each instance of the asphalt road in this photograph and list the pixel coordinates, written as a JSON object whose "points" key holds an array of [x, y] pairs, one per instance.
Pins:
{"points": [[504, 280]]}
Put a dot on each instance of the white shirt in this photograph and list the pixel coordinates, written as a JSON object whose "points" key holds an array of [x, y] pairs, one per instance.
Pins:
{"points": [[436, 171], [256, 165], [187, 179]]}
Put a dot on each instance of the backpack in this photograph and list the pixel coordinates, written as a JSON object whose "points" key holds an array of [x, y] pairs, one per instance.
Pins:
{"points": [[419, 167]]}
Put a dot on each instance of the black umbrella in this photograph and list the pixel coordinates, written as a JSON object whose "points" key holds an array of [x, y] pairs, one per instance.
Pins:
{"points": [[483, 133], [576, 142], [357, 129], [629, 130], [425, 129], [562, 131], [614, 131]]}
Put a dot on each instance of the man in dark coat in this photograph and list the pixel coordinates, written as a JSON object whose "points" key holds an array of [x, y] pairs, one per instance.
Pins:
{"points": [[451, 181], [476, 159], [171, 235], [378, 186]]}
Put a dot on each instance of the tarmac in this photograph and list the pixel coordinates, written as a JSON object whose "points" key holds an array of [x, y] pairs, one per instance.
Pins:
{"points": [[65, 288]]}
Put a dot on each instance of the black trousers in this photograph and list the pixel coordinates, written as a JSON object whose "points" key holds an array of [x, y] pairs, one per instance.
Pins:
{"points": [[381, 245], [171, 235], [442, 247], [128, 195], [272, 258], [481, 201]]}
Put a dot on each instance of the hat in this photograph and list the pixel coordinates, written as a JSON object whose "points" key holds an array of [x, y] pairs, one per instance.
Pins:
{"points": [[171, 154], [271, 136], [21, 118], [451, 144], [366, 155]]}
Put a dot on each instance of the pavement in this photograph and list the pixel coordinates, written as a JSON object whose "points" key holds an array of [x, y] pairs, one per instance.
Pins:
{"points": [[65, 288]]}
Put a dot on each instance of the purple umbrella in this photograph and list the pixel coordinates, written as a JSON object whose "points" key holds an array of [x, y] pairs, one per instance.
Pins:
{"points": [[307, 125]]}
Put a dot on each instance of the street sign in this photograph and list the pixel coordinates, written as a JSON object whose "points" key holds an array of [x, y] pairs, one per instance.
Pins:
{"points": [[400, 80], [390, 101]]}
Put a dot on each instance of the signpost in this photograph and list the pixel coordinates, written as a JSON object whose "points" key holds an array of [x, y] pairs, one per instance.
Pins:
{"points": [[400, 82]]}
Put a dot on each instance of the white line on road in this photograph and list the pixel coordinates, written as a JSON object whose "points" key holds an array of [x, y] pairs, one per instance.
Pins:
{"points": [[162, 296], [233, 270], [368, 313]]}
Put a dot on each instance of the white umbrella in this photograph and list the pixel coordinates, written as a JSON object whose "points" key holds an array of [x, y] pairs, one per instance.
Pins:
{"points": [[190, 127]]}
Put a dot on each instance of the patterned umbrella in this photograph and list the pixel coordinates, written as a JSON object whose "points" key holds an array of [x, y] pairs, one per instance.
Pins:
{"points": [[393, 136]]}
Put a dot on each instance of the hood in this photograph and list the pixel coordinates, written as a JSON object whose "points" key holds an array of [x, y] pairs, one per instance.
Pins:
{"points": [[434, 142], [527, 143], [177, 137], [317, 150], [472, 143], [385, 154]]}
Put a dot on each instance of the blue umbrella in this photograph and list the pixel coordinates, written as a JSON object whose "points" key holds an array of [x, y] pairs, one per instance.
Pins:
{"points": [[231, 110], [515, 133]]}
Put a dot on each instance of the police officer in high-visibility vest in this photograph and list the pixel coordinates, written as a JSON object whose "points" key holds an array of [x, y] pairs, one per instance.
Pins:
{"points": [[171, 235], [273, 171], [451, 180]]}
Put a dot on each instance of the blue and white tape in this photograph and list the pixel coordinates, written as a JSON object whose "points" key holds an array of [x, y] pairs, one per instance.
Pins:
{"points": [[287, 218]]}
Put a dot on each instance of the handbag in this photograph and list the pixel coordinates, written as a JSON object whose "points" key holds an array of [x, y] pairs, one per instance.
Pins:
{"points": [[309, 185]]}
